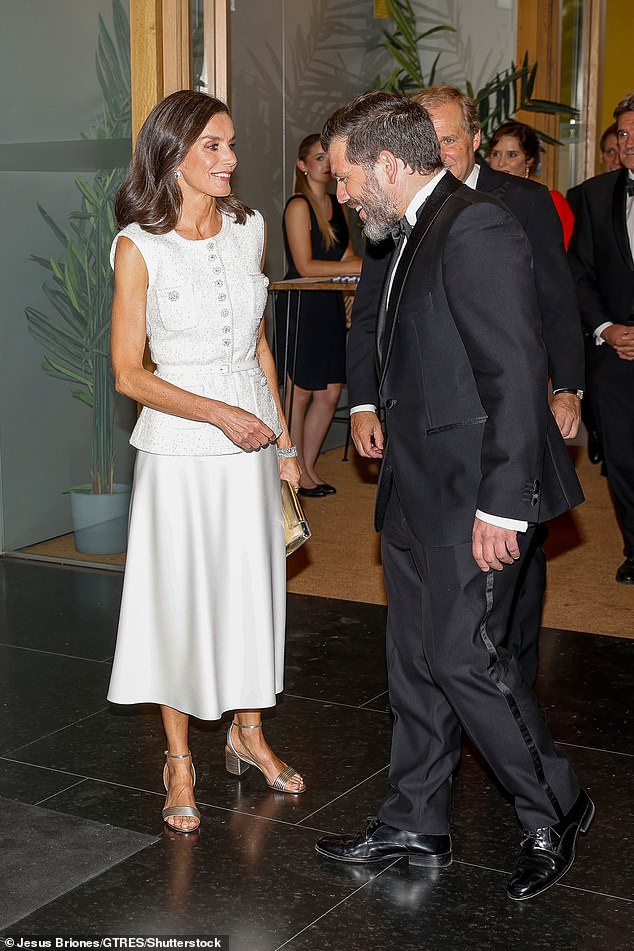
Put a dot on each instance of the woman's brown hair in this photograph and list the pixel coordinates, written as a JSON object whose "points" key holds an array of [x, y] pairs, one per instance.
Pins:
{"points": [[303, 188], [527, 138], [150, 195]]}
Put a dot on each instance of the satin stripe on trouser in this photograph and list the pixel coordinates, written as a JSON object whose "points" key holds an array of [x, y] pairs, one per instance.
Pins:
{"points": [[446, 667]]}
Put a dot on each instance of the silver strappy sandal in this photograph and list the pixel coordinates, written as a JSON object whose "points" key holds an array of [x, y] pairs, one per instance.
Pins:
{"points": [[185, 812], [237, 764]]}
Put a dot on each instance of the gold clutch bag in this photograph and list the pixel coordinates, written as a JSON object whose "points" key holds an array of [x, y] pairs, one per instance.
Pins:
{"points": [[296, 528]]}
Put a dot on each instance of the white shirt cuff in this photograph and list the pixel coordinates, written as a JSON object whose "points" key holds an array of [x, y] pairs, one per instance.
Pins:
{"points": [[512, 523], [363, 408], [598, 339]]}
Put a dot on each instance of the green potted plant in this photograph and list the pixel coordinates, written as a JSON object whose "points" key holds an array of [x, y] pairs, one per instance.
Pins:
{"points": [[498, 100], [75, 333]]}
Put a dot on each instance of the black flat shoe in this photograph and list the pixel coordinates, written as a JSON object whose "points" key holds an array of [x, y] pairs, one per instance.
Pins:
{"points": [[547, 854], [317, 493], [328, 489], [625, 574], [379, 841]]}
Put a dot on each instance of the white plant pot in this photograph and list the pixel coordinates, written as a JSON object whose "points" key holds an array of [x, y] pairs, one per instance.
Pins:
{"points": [[100, 522]]}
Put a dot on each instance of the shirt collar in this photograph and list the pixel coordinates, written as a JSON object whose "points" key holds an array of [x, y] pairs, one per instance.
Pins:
{"points": [[472, 178], [421, 197]]}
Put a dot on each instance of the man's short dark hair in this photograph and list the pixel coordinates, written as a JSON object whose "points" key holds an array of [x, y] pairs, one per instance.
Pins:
{"points": [[381, 120], [625, 105]]}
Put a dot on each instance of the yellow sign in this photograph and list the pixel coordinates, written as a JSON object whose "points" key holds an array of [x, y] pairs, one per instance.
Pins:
{"points": [[382, 10]]}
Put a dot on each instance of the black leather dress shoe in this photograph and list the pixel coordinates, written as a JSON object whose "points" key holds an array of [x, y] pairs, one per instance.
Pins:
{"points": [[327, 487], [548, 853], [625, 574], [379, 841], [316, 493]]}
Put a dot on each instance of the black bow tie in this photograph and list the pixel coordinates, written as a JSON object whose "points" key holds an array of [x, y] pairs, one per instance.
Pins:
{"points": [[402, 229], [629, 186]]}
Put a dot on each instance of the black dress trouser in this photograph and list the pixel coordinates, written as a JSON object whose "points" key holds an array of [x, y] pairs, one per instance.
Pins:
{"points": [[612, 388], [447, 670], [525, 618]]}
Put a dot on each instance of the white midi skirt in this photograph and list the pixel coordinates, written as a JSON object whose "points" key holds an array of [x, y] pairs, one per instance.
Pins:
{"points": [[203, 610]]}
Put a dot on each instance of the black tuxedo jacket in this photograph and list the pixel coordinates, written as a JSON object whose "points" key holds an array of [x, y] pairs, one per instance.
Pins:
{"points": [[599, 253], [532, 205], [573, 197], [464, 375]]}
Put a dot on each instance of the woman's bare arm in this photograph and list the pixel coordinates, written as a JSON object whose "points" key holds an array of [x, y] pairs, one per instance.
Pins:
{"points": [[297, 221]]}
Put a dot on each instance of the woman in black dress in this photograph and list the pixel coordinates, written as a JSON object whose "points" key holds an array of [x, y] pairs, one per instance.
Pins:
{"points": [[318, 244]]}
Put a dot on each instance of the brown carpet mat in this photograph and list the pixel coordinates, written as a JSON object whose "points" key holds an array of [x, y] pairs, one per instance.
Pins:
{"points": [[342, 558]]}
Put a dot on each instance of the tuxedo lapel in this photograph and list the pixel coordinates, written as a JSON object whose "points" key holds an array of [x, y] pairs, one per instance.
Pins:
{"points": [[618, 217], [382, 309], [426, 216], [493, 183]]}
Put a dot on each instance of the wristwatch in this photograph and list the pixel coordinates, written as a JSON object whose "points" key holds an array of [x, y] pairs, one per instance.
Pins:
{"points": [[568, 389]]}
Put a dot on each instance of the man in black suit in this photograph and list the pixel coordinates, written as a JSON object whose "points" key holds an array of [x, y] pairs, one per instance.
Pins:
{"points": [[601, 256], [611, 161], [608, 157], [473, 459], [455, 120]]}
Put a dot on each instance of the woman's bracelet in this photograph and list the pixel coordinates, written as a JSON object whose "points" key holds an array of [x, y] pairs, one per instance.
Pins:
{"points": [[290, 452]]}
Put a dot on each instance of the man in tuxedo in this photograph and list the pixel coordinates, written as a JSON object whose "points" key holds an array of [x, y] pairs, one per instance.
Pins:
{"points": [[611, 161], [608, 157], [455, 120], [601, 256], [473, 459]]}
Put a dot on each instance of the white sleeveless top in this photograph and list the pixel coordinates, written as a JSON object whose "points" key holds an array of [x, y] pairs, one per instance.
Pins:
{"points": [[205, 300]]}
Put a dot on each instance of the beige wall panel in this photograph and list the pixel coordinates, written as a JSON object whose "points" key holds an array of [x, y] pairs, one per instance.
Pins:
{"points": [[618, 74]]}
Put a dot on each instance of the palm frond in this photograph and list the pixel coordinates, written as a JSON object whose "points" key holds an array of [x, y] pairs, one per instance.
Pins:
{"points": [[497, 101]]}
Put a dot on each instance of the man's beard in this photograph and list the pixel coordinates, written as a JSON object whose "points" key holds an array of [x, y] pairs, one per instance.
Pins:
{"points": [[380, 210]]}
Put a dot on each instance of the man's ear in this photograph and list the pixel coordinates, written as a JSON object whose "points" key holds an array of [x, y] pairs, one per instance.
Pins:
{"points": [[476, 140], [389, 164]]}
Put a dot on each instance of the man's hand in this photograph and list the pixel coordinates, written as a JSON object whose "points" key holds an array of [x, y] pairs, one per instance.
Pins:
{"points": [[492, 546], [621, 338], [367, 434], [566, 408]]}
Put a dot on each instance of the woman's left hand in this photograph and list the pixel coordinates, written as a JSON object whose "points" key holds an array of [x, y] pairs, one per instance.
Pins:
{"points": [[290, 470]]}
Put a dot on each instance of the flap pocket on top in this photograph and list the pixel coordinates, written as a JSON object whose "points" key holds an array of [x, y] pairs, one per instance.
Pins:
{"points": [[177, 307]]}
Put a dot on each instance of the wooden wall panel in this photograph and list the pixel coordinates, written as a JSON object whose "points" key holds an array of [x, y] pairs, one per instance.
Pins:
{"points": [[176, 46], [538, 29], [160, 40], [146, 58]]}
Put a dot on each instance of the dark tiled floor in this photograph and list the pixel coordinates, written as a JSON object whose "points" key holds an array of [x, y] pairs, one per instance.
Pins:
{"points": [[252, 872]]}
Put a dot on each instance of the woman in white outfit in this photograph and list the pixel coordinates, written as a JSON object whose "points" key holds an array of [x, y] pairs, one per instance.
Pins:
{"points": [[202, 621]]}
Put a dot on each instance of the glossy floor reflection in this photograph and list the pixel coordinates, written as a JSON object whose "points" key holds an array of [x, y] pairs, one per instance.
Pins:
{"points": [[98, 860]]}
